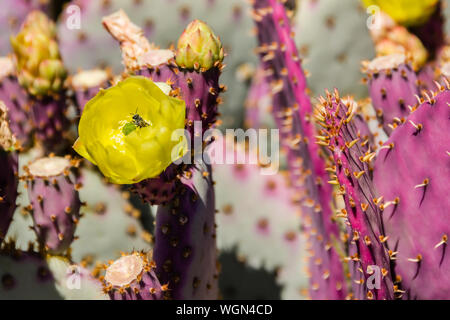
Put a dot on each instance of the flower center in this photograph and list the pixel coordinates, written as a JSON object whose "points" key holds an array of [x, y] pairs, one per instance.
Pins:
{"points": [[136, 122]]}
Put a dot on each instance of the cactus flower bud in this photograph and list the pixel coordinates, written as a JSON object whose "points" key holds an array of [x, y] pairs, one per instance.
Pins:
{"points": [[126, 130], [406, 12], [39, 65], [198, 47]]}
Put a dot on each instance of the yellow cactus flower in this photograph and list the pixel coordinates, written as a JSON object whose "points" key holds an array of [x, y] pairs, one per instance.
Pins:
{"points": [[406, 12], [126, 130]]}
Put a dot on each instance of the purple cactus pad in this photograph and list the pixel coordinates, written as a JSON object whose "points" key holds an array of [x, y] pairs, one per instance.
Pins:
{"points": [[53, 192]]}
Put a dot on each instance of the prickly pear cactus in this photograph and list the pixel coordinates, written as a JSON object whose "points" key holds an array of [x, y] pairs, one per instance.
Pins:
{"points": [[194, 83], [193, 75], [411, 174], [358, 210]]}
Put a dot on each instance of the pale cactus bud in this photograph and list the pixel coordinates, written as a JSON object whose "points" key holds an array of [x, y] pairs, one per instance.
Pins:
{"points": [[39, 65], [198, 47]]}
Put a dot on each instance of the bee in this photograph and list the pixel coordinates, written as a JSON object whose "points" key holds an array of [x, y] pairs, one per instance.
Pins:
{"points": [[137, 122]]}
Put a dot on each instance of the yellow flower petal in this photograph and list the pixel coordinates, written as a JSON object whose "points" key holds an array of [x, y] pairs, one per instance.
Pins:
{"points": [[81, 150]]}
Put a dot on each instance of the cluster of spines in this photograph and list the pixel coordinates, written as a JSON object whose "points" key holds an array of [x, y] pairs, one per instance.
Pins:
{"points": [[363, 132], [352, 176], [50, 118], [162, 189], [393, 87]]}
